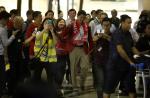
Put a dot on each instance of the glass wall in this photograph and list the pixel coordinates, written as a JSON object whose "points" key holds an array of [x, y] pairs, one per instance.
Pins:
{"points": [[9, 4], [128, 6]]}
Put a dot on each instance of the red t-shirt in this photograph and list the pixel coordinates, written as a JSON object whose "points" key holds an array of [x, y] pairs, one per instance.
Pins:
{"points": [[29, 32]]}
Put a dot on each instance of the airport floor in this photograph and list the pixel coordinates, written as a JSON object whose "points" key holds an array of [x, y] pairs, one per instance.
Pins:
{"points": [[90, 91]]}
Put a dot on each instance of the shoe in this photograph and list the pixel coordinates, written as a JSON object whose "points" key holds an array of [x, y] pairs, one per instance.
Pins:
{"points": [[123, 93], [74, 93]]}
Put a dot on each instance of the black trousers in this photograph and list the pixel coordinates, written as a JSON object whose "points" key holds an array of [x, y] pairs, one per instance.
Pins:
{"points": [[50, 72], [2, 75], [59, 69], [15, 74]]}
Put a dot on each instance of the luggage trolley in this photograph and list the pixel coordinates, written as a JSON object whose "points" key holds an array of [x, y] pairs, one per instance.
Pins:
{"points": [[143, 70]]}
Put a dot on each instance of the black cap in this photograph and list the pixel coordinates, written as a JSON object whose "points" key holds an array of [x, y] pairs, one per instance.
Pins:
{"points": [[4, 15]]}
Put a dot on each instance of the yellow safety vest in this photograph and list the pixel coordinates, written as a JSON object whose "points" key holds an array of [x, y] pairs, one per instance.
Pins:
{"points": [[51, 56]]}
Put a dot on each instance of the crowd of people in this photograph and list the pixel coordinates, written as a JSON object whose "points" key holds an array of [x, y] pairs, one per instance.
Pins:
{"points": [[71, 47]]}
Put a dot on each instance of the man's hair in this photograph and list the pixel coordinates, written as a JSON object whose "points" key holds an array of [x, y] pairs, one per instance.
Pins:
{"points": [[49, 11], [98, 11], [124, 17], [103, 13], [59, 11], [29, 12], [71, 10], [106, 19], [146, 24], [81, 12], [14, 11], [2, 7], [35, 14], [4, 15], [114, 10], [93, 11]]}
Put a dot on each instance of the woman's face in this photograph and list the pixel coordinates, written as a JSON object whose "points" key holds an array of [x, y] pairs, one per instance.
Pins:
{"points": [[61, 24]]}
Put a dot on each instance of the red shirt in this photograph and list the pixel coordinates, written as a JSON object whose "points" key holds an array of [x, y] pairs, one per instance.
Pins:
{"points": [[87, 45], [10, 24], [63, 42], [29, 32]]}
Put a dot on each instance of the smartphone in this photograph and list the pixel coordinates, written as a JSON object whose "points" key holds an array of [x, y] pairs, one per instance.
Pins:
{"points": [[49, 22]]}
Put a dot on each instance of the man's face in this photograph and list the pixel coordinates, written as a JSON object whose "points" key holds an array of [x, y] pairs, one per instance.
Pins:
{"points": [[50, 15], [30, 17], [106, 26], [39, 18], [102, 17], [114, 13], [127, 24], [2, 9], [81, 18], [60, 15], [72, 14], [147, 30]]}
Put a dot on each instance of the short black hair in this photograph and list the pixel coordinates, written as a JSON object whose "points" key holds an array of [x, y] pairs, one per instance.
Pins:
{"points": [[106, 19], [4, 15], [71, 10], [88, 14], [35, 14], [59, 11], [124, 17], [49, 11], [99, 10], [29, 12], [81, 12], [2, 7], [14, 11], [146, 24], [93, 11], [103, 13]]}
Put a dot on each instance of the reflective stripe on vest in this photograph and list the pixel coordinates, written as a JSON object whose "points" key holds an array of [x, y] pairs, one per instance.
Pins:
{"points": [[51, 49]]}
